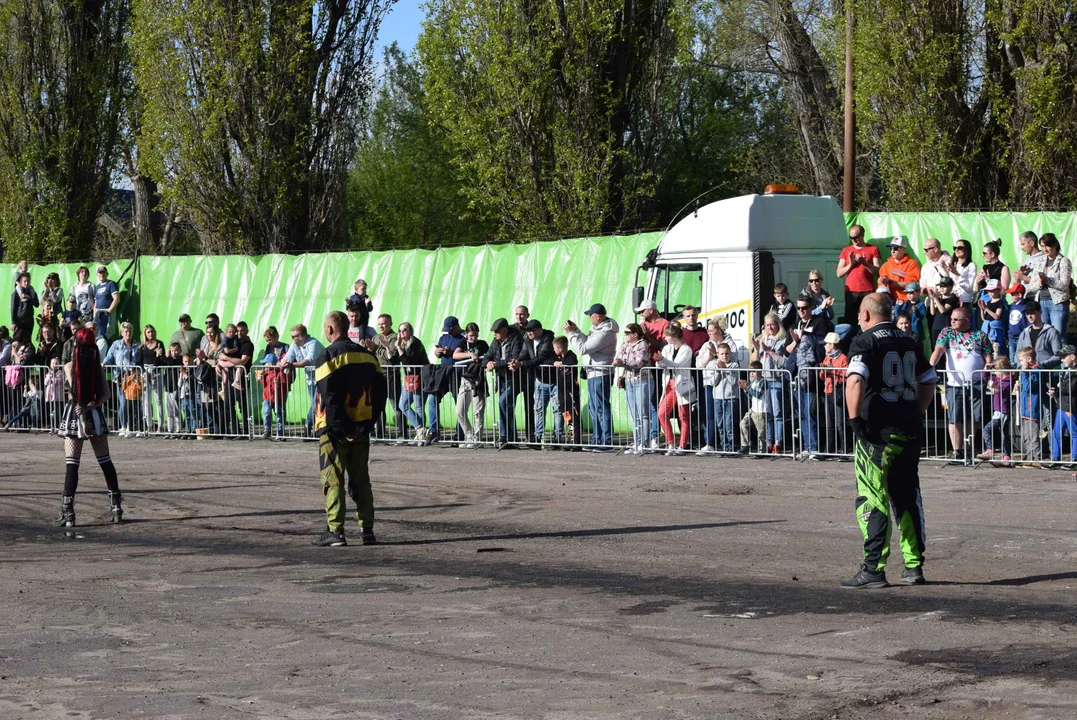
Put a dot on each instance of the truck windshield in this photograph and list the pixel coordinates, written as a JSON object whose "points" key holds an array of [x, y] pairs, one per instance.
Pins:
{"points": [[677, 286]]}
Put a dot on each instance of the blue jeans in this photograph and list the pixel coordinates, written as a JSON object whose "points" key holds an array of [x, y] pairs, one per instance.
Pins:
{"points": [[268, 408], [641, 409], [411, 406], [128, 412], [190, 415], [100, 321], [1056, 315], [776, 419], [432, 414], [1068, 422], [1002, 425], [506, 417], [707, 401], [598, 406], [312, 389], [546, 394], [806, 402], [652, 401], [1013, 350], [723, 419]]}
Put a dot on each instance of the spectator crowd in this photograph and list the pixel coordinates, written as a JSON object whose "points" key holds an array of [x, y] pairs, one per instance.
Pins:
{"points": [[999, 333]]}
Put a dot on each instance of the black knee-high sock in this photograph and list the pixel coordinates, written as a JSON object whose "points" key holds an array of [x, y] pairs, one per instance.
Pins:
{"points": [[71, 480], [110, 473]]}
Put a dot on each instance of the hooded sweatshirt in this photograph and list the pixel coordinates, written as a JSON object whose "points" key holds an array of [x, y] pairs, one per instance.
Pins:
{"points": [[598, 347]]}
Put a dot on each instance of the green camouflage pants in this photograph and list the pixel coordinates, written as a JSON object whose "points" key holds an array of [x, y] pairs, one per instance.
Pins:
{"points": [[887, 474], [336, 459]]}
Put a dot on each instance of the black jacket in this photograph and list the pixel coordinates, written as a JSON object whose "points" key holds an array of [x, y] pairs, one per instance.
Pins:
{"points": [[1067, 389], [500, 353], [568, 382], [351, 390], [475, 371], [415, 354], [539, 360], [22, 311], [168, 370]]}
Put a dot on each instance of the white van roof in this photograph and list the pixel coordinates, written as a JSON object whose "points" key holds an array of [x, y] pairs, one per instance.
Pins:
{"points": [[759, 222]]}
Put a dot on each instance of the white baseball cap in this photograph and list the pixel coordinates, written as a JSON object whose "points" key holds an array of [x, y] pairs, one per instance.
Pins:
{"points": [[833, 338], [647, 305], [898, 241]]}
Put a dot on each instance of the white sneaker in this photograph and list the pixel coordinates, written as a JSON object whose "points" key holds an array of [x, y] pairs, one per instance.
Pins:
{"points": [[704, 451], [631, 450], [674, 451], [654, 446]]}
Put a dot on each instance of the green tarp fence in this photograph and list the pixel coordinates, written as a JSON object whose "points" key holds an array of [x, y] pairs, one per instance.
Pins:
{"points": [[556, 280], [976, 227]]}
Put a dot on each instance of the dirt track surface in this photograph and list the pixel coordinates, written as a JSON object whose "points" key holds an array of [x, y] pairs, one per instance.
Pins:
{"points": [[524, 584]]}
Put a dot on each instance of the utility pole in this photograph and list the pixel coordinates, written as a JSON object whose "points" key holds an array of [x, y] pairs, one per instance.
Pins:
{"points": [[850, 127]]}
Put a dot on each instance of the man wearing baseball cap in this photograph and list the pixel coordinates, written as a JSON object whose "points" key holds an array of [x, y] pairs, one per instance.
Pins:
{"points": [[1044, 340], [189, 338], [653, 324], [506, 347], [900, 270], [452, 337], [106, 296], [598, 347]]}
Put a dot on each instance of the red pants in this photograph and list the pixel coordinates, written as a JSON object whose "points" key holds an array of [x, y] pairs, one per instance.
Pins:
{"points": [[665, 411]]}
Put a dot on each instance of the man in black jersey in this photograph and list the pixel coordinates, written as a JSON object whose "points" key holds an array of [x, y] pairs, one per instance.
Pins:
{"points": [[888, 389]]}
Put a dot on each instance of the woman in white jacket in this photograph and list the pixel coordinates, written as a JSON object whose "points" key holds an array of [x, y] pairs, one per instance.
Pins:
{"points": [[680, 391]]}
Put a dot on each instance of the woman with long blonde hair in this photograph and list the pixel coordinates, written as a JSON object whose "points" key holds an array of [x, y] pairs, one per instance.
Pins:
{"points": [[769, 347]]}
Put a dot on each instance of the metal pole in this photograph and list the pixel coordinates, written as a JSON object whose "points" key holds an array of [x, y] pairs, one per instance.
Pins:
{"points": [[850, 127]]}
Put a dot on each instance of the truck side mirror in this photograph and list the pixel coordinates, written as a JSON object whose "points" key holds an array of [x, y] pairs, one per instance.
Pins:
{"points": [[637, 297]]}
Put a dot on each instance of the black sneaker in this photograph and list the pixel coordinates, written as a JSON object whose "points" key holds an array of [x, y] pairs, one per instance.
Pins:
{"points": [[368, 538], [330, 539], [913, 576], [866, 580]]}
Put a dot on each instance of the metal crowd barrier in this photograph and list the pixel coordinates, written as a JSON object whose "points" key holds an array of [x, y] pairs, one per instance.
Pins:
{"points": [[823, 429], [1028, 417], [1019, 417]]}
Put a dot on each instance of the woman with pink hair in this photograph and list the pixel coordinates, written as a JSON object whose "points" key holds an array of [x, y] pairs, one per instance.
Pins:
{"points": [[84, 420]]}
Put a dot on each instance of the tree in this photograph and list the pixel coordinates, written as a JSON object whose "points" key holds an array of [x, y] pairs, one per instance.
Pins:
{"points": [[250, 114], [552, 108], [60, 103], [404, 190]]}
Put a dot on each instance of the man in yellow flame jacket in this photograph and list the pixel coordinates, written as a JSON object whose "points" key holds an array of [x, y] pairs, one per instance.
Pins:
{"points": [[350, 398]]}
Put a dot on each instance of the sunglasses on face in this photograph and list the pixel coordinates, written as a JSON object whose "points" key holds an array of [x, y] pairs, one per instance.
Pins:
{"points": [[815, 280], [895, 249], [931, 247], [803, 307]]}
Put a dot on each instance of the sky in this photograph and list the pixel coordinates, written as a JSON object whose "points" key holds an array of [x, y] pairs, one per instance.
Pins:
{"points": [[402, 24]]}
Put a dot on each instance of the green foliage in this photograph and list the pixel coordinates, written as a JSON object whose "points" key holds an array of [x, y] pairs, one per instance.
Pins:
{"points": [[250, 113], [552, 108], [912, 79], [61, 98], [404, 190]]}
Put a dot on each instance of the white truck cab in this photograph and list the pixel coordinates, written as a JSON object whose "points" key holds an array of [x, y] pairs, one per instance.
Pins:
{"points": [[725, 258]]}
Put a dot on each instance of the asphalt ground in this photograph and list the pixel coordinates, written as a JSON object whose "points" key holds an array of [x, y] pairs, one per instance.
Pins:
{"points": [[523, 584]]}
